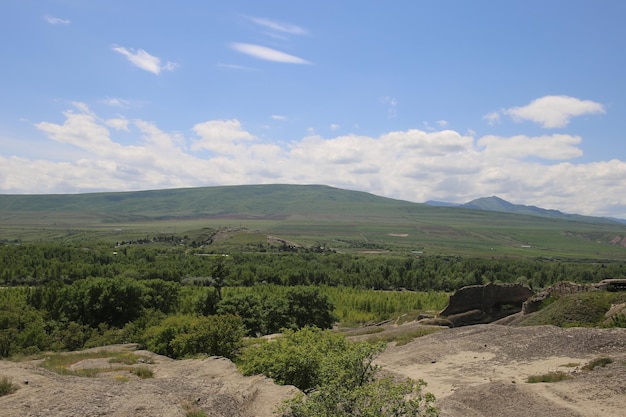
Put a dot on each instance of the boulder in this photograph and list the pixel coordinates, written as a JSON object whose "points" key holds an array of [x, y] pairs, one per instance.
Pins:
{"points": [[485, 303]]}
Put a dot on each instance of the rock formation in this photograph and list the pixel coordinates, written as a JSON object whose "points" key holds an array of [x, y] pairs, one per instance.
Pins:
{"points": [[485, 303]]}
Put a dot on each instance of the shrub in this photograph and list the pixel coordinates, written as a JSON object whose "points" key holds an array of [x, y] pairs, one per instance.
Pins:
{"points": [[549, 377], [602, 362], [338, 375], [6, 386], [301, 357], [618, 320], [142, 372]]}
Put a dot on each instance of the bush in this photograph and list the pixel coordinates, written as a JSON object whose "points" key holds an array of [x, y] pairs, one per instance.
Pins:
{"points": [[6, 386], [302, 357], [338, 375], [142, 372], [382, 397], [602, 362], [549, 377]]}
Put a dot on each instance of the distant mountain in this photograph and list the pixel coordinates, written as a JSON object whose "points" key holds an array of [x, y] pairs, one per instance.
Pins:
{"points": [[314, 215], [441, 204], [497, 204]]}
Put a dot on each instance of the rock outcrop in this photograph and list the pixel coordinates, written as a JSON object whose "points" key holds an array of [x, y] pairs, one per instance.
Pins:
{"points": [[485, 303], [557, 290]]}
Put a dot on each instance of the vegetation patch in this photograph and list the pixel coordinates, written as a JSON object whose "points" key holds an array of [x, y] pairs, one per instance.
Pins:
{"points": [[6, 386], [62, 363], [549, 377], [337, 376], [142, 372], [585, 309], [402, 337], [127, 358], [599, 362]]}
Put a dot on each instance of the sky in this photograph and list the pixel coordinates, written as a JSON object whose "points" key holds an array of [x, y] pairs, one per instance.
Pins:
{"points": [[446, 100]]}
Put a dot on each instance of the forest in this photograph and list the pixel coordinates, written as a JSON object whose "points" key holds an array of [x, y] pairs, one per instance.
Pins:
{"points": [[65, 296]]}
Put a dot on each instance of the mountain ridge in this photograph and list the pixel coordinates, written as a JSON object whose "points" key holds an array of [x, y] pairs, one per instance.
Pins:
{"points": [[497, 204]]}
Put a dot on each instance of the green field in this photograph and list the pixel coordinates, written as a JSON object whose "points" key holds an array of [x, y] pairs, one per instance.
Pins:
{"points": [[348, 221]]}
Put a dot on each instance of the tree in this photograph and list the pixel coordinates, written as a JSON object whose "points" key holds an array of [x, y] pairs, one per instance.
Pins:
{"points": [[246, 306], [219, 272], [184, 335], [92, 301], [309, 307]]}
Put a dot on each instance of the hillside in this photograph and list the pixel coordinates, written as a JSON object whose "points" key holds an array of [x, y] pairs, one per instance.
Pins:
{"points": [[309, 215]]}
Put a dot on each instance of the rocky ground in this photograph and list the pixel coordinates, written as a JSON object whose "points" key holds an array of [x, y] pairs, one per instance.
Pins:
{"points": [[481, 371], [212, 384], [474, 371]]}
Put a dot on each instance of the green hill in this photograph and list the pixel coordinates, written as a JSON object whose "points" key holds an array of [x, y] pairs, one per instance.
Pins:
{"points": [[309, 215]]}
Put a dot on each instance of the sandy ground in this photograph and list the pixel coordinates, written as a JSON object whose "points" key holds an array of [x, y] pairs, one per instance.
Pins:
{"points": [[474, 371]]}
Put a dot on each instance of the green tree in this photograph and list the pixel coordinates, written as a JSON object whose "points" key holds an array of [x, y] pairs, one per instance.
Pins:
{"points": [[92, 301], [161, 295], [309, 307], [246, 306], [219, 272], [185, 335]]}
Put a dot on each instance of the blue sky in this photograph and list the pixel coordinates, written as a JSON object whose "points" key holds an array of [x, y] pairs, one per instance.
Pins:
{"points": [[416, 100]]}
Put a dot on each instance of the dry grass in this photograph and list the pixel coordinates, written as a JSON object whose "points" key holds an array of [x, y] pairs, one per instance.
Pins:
{"points": [[549, 377], [602, 362], [6, 386]]}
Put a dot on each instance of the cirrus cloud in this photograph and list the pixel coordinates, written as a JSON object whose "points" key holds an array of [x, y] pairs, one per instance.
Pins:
{"points": [[267, 54], [144, 60]]}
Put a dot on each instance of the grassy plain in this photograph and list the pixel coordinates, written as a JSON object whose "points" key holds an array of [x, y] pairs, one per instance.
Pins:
{"points": [[344, 220]]}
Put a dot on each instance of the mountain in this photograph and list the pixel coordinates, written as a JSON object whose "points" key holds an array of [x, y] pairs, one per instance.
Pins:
{"points": [[435, 203], [253, 201], [499, 205]]}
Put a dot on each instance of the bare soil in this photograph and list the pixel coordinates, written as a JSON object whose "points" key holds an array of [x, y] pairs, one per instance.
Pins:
{"points": [[474, 371]]}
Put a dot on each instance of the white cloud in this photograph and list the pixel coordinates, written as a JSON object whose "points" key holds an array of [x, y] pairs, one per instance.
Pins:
{"points": [[118, 124], [492, 118], [220, 136], [414, 165], [56, 20], [278, 117], [144, 60], [554, 111], [442, 123], [334, 126], [279, 26], [267, 54], [553, 147]]}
